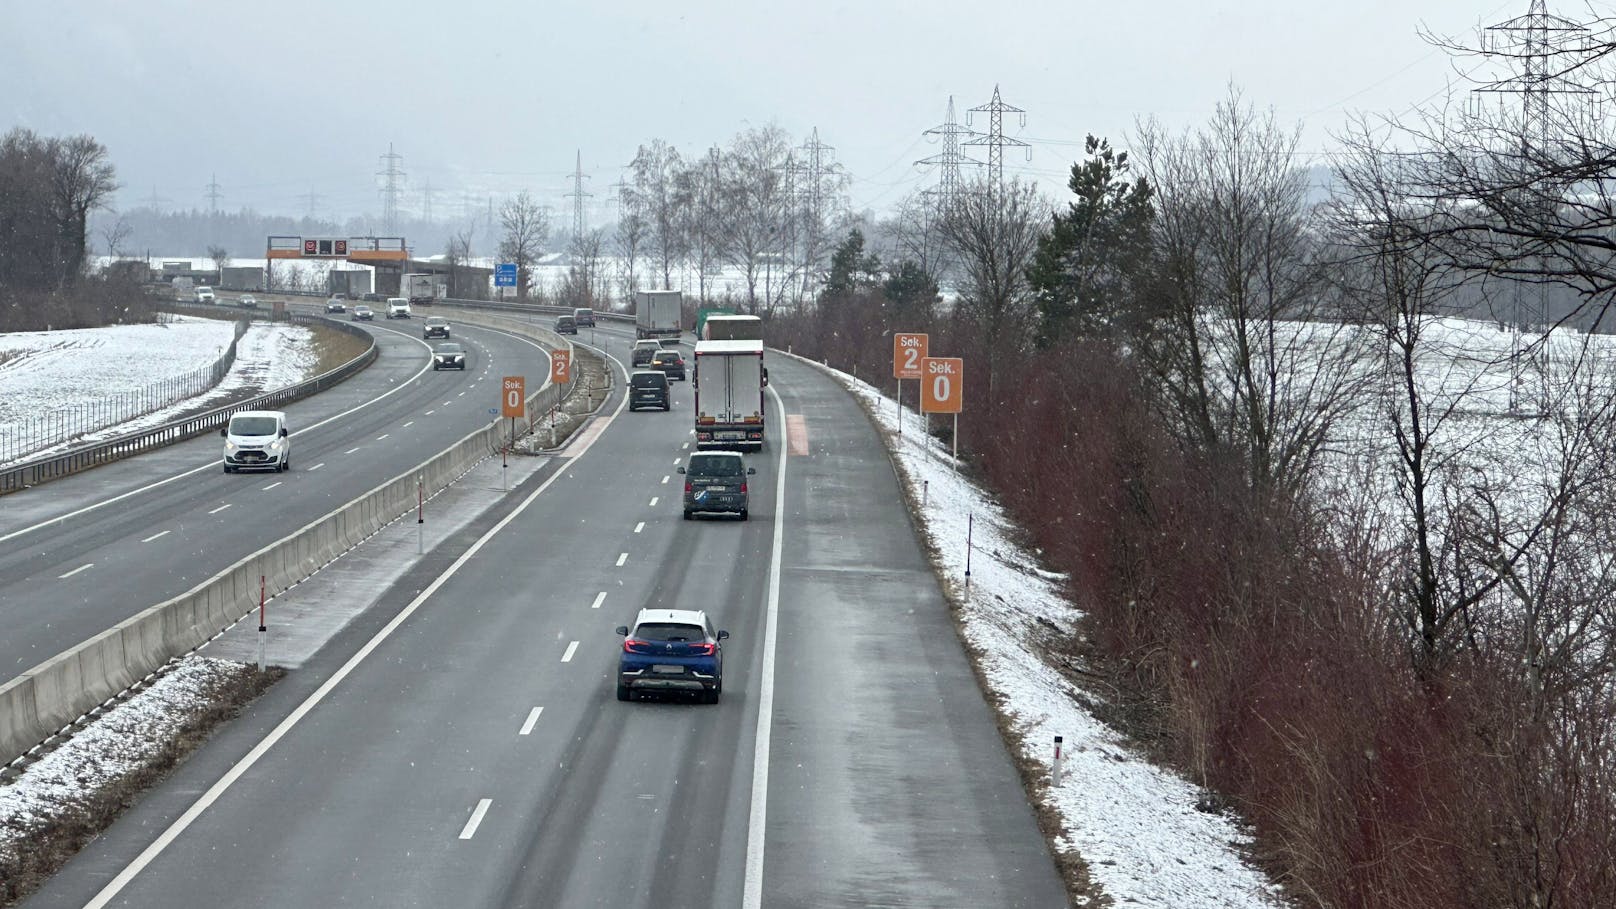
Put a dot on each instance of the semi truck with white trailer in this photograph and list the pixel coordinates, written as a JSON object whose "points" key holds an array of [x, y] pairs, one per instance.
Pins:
{"points": [[658, 313], [729, 380]]}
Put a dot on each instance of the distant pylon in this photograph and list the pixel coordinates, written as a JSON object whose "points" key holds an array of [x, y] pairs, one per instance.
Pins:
{"points": [[996, 140], [213, 194], [577, 196], [391, 188], [948, 160], [311, 202]]}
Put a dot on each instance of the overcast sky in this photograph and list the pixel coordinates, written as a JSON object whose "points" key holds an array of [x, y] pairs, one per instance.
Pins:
{"points": [[479, 97]]}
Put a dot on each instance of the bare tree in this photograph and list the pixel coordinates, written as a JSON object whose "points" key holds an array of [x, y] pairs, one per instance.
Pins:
{"points": [[993, 234], [758, 210], [220, 258], [526, 226], [630, 236], [113, 234], [701, 215], [654, 176], [457, 256], [1246, 356], [82, 181], [585, 281]]}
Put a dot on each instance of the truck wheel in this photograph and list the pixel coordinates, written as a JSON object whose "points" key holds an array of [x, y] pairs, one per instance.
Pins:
{"points": [[623, 694]]}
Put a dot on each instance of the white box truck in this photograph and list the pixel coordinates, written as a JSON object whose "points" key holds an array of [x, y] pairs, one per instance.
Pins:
{"points": [[420, 289], [657, 313], [729, 378]]}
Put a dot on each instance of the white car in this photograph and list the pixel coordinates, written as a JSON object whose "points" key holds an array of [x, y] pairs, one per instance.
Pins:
{"points": [[398, 308], [205, 295], [257, 440]]}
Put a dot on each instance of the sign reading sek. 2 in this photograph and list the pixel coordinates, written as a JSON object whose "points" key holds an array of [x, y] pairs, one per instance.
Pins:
{"points": [[560, 366], [908, 349], [505, 274], [942, 390], [513, 396]]}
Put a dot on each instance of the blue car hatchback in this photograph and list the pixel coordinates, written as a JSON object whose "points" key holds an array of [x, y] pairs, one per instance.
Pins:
{"points": [[671, 650]]}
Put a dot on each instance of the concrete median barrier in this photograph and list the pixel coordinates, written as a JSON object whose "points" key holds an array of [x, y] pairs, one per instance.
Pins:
{"points": [[36, 704]]}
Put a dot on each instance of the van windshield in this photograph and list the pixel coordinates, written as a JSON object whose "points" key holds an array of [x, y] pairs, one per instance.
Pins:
{"points": [[252, 426]]}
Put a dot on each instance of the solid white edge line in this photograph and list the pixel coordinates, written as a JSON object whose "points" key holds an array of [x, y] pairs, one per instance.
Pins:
{"points": [[621, 558], [470, 829], [571, 649], [752, 888], [532, 720], [204, 801], [599, 599], [160, 533], [75, 571]]}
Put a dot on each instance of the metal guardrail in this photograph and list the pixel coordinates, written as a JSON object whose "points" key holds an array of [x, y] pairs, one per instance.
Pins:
{"points": [[43, 470]]}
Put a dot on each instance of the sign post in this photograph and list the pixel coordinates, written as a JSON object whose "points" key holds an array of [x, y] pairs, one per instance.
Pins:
{"points": [[908, 350], [513, 400], [942, 390], [560, 374]]}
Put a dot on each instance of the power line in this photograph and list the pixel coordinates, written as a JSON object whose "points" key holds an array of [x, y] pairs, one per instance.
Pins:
{"points": [[391, 188], [996, 140]]}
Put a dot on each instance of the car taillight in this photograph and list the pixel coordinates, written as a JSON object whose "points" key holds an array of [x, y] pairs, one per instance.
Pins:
{"points": [[743, 487], [634, 645], [688, 487], [702, 649]]}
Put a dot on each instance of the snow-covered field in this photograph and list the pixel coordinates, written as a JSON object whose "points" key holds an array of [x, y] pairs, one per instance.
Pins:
{"points": [[1134, 823], [77, 372]]}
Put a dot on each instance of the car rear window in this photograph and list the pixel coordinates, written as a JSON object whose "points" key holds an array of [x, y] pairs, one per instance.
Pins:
{"points": [[670, 631], [714, 466], [653, 381]]}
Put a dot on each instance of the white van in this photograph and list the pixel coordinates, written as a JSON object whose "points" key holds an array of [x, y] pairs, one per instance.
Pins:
{"points": [[257, 440], [398, 308], [205, 295]]}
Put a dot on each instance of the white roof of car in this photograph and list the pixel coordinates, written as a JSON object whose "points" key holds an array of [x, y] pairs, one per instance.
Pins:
{"points": [[678, 616]]}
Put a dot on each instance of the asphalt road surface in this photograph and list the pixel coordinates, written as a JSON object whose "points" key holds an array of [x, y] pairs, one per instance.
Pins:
{"points": [[460, 744]]}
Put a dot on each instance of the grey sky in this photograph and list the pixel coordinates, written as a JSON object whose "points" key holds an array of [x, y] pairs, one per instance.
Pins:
{"points": [[481, 97]]}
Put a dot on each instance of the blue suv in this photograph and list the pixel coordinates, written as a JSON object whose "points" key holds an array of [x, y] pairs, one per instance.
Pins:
{"points": [[671, 650]]}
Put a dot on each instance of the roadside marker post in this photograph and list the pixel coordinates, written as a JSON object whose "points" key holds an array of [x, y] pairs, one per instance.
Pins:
{"points": [[263, 629], [970, 529], [1055, 768]]}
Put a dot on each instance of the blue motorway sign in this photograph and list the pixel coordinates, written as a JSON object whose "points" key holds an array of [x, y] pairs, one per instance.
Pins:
{"points": [[505, 274]]}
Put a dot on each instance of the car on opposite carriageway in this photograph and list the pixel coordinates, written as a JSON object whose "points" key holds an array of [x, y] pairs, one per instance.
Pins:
{"points": [[435, 327], [449, 355], [671, 650]]}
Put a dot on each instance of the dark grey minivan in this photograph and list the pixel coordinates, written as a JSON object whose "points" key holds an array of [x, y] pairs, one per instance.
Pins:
{"points": [[715, 481], [648, 388]]}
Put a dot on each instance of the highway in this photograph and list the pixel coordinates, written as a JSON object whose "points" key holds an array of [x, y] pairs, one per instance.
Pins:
{"points": [[80, 554], [460, 744]]}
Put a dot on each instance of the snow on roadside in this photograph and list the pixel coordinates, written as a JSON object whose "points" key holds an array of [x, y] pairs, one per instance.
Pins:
{"points": [[103, 362], [123, 739], [1135, 824]]}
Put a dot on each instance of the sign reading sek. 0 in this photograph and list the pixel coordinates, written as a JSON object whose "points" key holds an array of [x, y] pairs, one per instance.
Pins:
{"points": [[942, 387], [908, 349], [513, 396], [330, 246]]}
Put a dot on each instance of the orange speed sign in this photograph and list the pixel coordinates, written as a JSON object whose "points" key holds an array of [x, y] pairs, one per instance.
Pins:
{"points": [[560, 366], [908, 350], [513, 396], [942, 384]]}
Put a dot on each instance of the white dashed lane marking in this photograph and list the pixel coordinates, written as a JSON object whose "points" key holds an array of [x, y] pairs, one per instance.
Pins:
{"points": [[154, 536], [639, 527], [470, 829], [599, 599], [571, 649], [75, 571], [220, 508], [532, 720], [621, 559]]}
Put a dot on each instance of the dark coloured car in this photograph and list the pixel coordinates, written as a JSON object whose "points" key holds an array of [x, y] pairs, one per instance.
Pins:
{"points": [[648, 388], [566, 326], [671, 650], [640, 355], [583, 317], [715, 482], [671, 362], [448, 355], [363, 313], [374, 298], [336, 304], [435, 327]]}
